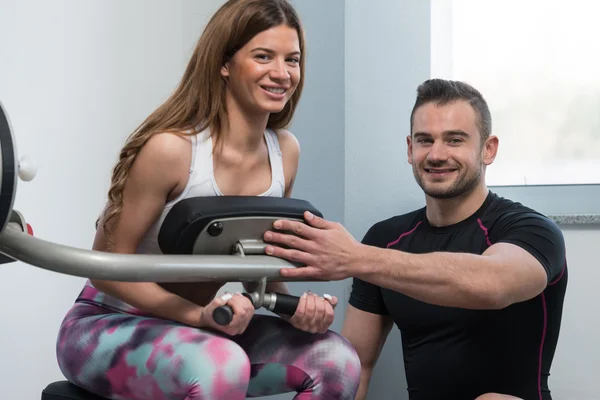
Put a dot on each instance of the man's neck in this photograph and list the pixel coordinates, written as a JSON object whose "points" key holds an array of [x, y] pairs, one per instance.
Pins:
{"points": [[244, 131], [445, 212]]}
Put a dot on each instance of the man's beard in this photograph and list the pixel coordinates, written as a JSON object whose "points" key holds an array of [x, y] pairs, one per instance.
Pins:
{"points": [[462, 185]]}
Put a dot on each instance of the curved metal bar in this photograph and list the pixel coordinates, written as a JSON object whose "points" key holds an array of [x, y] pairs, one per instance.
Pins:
{"points": [[93, 264]]}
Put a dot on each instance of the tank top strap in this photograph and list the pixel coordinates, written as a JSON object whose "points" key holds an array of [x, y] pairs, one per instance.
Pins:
{"points": [[202, 165], [194, 139], [276, 159]]}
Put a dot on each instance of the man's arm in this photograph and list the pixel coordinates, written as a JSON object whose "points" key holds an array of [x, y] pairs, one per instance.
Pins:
{"points": [[367, 332], [529, 253], [502, 275]]}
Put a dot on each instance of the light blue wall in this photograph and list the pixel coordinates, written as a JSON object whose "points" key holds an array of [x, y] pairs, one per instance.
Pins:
{"points": [[319, 123], [365, 60], [387, 57], [319, 127]]}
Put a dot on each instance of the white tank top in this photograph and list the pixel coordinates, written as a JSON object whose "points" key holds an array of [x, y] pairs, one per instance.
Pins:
{"points": [[202, 181]]}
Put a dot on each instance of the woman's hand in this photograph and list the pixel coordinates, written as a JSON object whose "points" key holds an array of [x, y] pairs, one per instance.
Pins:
{"points": [[243, 311], [314, 314]]}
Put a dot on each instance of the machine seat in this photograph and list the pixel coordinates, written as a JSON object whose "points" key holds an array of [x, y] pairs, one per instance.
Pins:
{"points": [[65, 390]]}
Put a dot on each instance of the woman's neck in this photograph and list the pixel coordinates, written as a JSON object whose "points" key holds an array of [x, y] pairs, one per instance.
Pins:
{"points": [[244, 131]]}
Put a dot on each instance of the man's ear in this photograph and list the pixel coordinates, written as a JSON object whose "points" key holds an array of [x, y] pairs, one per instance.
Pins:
{"points": [[409, 148], [489, 150]]}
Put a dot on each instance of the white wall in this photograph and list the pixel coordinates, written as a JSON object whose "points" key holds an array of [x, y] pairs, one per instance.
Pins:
{"points": [[574, 374], [76, 78]]}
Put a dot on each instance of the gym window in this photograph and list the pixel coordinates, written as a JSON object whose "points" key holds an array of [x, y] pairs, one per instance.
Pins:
{"points": [[537, 66]]}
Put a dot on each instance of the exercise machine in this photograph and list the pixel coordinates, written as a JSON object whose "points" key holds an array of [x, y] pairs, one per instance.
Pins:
{"points": [[201, 239]]}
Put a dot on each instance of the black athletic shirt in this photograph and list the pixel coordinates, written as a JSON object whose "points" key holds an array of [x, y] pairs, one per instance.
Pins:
{"points": [[459, 354]]}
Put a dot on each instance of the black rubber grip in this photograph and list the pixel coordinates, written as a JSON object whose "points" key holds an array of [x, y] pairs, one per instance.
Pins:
{"points": [[286, 304], [224, 314]]}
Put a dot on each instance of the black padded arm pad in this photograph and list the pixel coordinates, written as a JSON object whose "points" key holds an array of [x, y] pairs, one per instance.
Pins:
{"points": [[189, 217]]}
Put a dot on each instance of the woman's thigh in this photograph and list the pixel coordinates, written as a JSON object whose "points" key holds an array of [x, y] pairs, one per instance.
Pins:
{"points": [[284, 359], [126, 357]]}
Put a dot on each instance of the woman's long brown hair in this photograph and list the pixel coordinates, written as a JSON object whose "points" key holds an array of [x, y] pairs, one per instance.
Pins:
{"points": [[198, 102]]}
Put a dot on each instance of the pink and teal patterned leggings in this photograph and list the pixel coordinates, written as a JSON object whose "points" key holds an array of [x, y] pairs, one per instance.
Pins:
{"points": [[128, 357]]}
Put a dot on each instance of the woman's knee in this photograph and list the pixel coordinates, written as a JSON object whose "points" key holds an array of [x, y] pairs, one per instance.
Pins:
{"points": [[341, 349], [225, 357], [218, 368], [335, 366]]}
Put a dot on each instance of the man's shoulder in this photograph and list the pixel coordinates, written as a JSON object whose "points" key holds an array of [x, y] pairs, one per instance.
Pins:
{"points": [[380, 232], [502, 207], [503, 212]]}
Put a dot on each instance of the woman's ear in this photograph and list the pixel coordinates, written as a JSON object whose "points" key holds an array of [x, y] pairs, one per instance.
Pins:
{"points": [[225, 70]]}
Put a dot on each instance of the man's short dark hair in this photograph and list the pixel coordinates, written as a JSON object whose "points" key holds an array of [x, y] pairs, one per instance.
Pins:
{"points": [[442, 92]]}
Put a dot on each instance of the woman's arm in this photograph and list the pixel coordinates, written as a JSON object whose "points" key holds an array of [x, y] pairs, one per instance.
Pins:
{"points": [[158, 173]]}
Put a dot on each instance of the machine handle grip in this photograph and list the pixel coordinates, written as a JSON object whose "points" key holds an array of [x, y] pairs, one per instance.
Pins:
{"points": [[281, 304], [285, 304], [224, 314]]}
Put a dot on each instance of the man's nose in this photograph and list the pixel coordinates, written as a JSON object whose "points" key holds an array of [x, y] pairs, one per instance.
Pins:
{"points": [[438, 152]]}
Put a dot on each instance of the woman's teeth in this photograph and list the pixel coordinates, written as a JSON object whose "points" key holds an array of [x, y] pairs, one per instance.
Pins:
{"points": [[274, 90]]}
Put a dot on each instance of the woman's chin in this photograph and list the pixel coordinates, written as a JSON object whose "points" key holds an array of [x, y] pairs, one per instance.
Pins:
{"points": [[274, 106]]}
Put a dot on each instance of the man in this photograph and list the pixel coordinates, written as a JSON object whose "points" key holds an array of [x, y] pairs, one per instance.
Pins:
{"points": [[474, 282]]}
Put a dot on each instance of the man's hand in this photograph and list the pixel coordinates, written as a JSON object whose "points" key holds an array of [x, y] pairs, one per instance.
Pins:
{"points": [[327, 248]]}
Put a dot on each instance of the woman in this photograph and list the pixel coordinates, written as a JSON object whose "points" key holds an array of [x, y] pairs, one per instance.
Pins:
{"points": [[220, 133]]}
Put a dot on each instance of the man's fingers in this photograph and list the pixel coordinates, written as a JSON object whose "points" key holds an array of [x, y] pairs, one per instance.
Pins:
{"points": [[296, 227], [301, 272], [316, 221], [288, 240], [289, 254]]}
